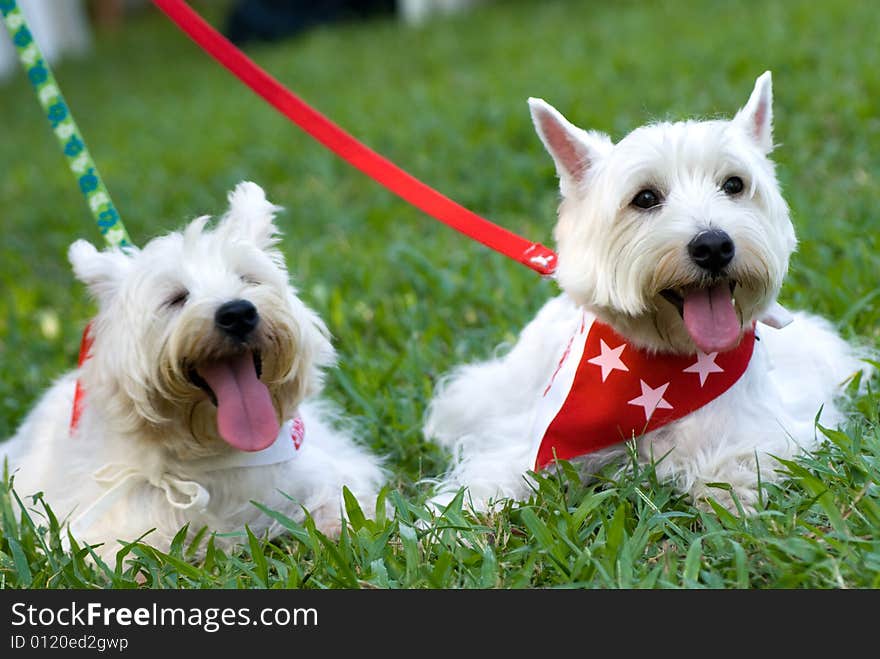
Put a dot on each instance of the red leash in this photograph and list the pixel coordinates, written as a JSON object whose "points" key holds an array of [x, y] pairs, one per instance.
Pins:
{"points": [[534, 255]]}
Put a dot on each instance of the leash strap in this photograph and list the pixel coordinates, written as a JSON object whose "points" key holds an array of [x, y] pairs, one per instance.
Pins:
{"points": [[72, 144], [534, 255]]}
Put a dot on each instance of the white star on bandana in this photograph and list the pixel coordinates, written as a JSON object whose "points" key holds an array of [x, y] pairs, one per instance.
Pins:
{"points": [[704, 365], [609, 360], [651, 399]]}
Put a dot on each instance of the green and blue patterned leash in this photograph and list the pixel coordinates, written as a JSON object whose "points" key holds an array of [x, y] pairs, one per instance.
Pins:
{"points": [[78, 158]]}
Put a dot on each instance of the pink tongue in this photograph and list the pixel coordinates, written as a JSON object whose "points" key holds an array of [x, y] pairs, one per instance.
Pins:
{"points": [[245, 414], [710, 318]]}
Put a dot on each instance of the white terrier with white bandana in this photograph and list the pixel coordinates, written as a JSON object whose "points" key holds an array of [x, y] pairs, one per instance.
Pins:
{"points": [[196, 397], [673, 243]]}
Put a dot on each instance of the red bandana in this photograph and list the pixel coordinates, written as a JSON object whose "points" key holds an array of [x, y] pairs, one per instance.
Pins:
{"points": [[85, 348], [605, 391]]}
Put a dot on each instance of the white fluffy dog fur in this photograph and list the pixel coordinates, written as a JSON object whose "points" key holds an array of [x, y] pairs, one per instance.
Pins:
{"points": [[624, 259], [147, 445]]}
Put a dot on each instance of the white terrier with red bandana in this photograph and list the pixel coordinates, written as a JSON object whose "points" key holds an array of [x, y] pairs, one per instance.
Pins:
{"points": [[197, 396], [673, 245]]}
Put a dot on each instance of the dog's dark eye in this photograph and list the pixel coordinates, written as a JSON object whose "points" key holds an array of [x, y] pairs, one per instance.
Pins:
{"points": [[178, 299], [250, 279], [646, 198], [733, 185]]}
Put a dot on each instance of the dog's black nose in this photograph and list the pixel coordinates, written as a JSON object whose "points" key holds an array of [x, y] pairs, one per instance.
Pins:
{"points": [[711, 250], [237, 319]]}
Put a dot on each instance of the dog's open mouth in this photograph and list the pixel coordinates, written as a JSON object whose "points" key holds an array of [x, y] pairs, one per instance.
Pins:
{"points": [[246, 417], [709, 314]]}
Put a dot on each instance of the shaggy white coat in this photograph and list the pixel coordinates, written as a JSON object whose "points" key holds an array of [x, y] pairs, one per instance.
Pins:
{"points": [[614, 260], [149, 432]]}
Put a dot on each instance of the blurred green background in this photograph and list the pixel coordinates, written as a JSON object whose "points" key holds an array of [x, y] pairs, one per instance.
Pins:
{"points": [[405, 297]]}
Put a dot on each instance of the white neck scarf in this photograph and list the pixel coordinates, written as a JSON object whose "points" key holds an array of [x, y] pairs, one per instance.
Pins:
{"points": [[119, 479]]}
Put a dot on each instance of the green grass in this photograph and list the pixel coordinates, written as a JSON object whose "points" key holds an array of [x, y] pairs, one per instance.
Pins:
{"points": [[407, 298]]}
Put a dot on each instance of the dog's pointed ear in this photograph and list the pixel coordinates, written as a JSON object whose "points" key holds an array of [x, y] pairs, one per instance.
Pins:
{"points": [[101, 272], [251, 216], [573, 149], [756, 116]]}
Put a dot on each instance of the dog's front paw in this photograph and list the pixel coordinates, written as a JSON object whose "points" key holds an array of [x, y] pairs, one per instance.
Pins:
{"points": [[732, 498], [732, 483], [332, 528]]}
